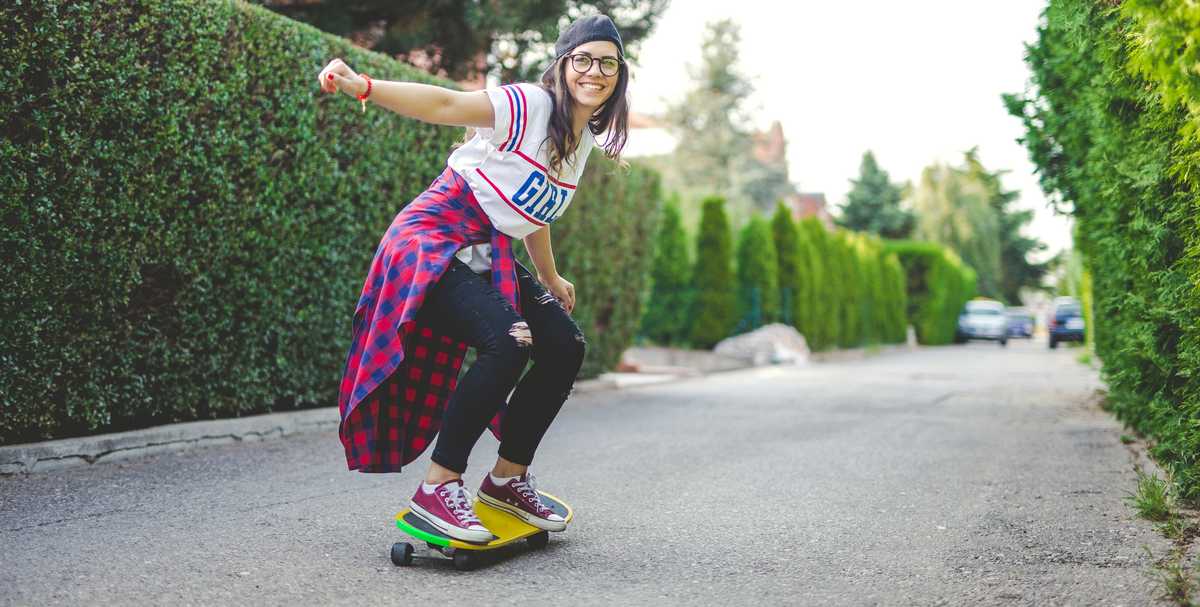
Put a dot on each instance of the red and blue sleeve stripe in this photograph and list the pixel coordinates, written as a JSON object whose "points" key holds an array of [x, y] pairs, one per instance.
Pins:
{"points": [[518, 116]]}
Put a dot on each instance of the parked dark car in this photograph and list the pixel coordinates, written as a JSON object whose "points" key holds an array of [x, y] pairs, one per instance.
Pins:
{"points": [[1066, 321], [1020, 322]]}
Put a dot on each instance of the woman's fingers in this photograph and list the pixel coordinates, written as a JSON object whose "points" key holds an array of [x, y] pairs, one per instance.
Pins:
{"points": [[328, 78]]}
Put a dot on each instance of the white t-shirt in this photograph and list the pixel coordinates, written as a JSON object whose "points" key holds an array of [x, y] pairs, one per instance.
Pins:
{"points": [[506, 167]]}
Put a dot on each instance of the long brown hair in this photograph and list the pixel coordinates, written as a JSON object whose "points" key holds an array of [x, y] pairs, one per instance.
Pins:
{"points": [[612, 117]]}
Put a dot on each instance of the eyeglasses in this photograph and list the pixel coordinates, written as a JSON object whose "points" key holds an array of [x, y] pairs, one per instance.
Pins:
{"points": [[583, 64]]}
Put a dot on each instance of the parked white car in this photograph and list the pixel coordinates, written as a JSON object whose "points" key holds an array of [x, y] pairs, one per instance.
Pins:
{"points": [[982, 319]]}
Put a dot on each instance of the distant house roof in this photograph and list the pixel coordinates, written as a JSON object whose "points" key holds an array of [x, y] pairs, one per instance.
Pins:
{"points": [[810, 204], [645, 121]]}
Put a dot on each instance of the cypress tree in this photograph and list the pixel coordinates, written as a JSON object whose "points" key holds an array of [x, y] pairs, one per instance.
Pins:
{"points": [[819, 320], [714, 311], [666, 317], [787, 252], [757, 275]]}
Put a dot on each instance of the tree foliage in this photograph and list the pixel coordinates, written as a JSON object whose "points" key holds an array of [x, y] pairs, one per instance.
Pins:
{"points": [[221, 282], [787, 252], [873, 203], [709, 121], [758, 275], [666, 317], [1017, 270], [1112, 124], [714, 310], [513, 40], [953, 210]]}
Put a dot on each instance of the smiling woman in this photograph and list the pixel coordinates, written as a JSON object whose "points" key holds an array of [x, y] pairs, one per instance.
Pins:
{"points": [[444, 279]]}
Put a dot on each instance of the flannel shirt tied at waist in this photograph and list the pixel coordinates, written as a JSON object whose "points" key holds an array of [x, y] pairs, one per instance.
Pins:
{"points": [[399, 375]]}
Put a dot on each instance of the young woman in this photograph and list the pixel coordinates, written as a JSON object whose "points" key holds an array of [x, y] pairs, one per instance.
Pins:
{"points": [[444, 278]]}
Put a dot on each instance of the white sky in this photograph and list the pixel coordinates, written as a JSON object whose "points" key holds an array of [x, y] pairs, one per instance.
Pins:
{"points": [[916, 82]]}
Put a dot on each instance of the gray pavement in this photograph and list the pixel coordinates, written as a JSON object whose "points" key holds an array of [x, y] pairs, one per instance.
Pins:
{"points": [[947, 476]]}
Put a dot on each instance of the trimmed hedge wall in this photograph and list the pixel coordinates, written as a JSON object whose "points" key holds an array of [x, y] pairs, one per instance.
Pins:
{"points": [[1112, 127], [188, 220], [938, 285]]}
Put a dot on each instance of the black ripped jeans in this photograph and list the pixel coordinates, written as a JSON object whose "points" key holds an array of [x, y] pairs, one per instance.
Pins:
{"points": [[465, 306]]}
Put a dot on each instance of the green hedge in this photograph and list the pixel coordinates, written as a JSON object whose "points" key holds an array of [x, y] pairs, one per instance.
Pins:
{"points": [[1112, 127], [818, 318], [758, 275], [188, 220], [666, 310], [938, 285], [714, 307]]}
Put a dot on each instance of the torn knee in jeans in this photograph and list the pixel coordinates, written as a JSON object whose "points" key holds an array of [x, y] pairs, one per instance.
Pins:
{"points": [[546, 298], [520, 332]]}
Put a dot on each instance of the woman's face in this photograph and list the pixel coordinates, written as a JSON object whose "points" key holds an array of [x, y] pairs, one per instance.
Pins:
{"points": [[592, 88]]}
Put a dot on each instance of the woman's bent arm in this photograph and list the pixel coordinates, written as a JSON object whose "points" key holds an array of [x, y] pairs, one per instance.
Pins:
{"points": [[538, 245]]}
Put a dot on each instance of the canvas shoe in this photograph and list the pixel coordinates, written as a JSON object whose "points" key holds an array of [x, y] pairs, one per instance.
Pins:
{"points": [[520, 498], [448, 508]]}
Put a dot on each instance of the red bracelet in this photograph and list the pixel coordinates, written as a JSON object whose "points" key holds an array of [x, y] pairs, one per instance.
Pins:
{"points": [[363, 97]]}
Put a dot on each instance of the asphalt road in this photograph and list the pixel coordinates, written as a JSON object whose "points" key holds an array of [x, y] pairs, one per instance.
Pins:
{"points": [[947, 476]]}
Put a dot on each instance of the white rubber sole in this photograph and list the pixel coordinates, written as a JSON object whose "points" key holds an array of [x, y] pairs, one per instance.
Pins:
{"points": [[536, 521], [458, 533]]}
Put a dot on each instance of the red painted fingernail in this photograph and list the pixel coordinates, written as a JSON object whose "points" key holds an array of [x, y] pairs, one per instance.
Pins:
{"points": [[329, 77]]}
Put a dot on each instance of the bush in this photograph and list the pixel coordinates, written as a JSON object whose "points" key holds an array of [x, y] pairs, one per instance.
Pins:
{"points": [[1112, 129], [188, 220], [937, 285], [666, 316], [758, 275], [714, 311]]}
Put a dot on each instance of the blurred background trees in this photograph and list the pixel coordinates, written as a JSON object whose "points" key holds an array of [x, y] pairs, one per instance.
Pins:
{"points": [[462, 40]]}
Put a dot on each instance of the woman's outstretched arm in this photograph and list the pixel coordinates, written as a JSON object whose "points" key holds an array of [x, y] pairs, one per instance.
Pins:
{"points": [[424, 102]]}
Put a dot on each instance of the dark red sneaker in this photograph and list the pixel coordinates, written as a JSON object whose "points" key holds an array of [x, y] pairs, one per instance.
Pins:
{"points": [[520, 498], [449, 509]]}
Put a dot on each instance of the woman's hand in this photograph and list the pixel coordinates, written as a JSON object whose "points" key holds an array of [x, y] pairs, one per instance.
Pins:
{"points": [[562, 289], [337, 76]]}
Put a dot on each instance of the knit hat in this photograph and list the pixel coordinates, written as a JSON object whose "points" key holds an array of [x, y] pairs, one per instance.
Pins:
{"points": [[588, 29]]}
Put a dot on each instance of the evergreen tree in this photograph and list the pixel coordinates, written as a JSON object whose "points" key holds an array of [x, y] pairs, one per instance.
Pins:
{"points": [[709, 122], [1016, 270], [758, 275], [819, 320], [848, 286], [955, 210], [666, 317], [714, 310], [513, 40], [787, 251], [873, 204]]}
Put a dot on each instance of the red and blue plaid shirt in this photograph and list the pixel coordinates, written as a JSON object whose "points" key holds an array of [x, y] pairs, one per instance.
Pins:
{"points": [[399, 375]]}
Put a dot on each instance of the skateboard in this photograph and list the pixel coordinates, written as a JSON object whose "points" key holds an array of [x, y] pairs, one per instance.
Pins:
{"points": [[467, 555]]}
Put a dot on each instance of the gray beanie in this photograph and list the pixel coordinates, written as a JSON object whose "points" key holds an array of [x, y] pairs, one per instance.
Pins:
{"points": [[588, 29]]}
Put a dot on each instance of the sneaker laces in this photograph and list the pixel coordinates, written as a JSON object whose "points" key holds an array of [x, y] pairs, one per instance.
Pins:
{"points": [[528, 490], [458, 500]]}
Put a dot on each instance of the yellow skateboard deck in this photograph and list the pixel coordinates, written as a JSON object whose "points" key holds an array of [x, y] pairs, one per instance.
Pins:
{"points": [[506, 528]]}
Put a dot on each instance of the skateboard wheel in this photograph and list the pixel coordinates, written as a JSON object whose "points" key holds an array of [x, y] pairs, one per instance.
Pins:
{"points": [[464, 561], [402, 554], [538, 540]]}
